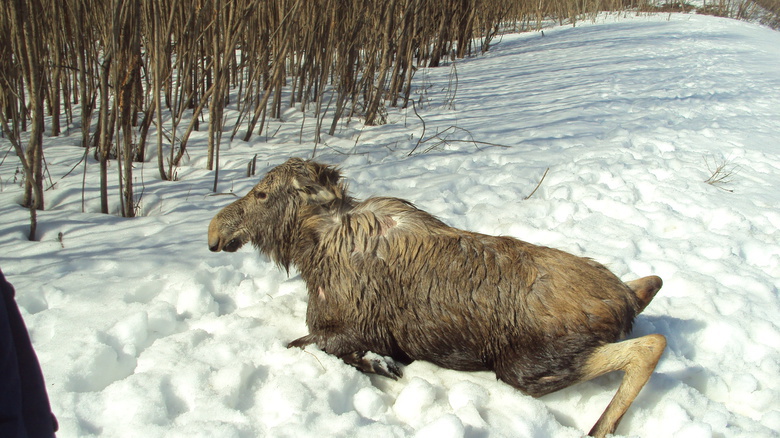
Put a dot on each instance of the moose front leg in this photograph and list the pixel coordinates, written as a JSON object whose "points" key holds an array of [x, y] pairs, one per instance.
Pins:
{"points": [[346, 349], [372, 363]]}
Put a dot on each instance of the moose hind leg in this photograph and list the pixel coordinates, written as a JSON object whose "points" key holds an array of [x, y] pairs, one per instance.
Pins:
{"points": [[637, 358], [645, 289]]}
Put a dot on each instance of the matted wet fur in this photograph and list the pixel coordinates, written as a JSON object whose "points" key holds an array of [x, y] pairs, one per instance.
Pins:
{"points": [[386, 277]]}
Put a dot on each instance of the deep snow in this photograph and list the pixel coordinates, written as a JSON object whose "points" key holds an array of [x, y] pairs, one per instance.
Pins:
{"points": [[141, 331]]}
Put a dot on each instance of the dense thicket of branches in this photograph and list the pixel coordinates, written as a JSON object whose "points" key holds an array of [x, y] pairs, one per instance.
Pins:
{"points": [[121, 66]]}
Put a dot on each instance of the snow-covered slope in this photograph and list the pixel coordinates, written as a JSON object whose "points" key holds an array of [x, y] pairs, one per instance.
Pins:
{"points": [[141, 331]]}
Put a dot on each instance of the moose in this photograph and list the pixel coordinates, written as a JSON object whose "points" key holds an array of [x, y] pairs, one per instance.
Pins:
{"points": [[389, 283]]}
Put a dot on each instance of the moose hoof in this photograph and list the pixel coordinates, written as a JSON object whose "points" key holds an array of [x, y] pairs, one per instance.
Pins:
{"points": [[370, 362]]}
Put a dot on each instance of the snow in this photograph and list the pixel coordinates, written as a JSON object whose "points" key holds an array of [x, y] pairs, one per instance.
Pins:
{"points": [[141, 331]]}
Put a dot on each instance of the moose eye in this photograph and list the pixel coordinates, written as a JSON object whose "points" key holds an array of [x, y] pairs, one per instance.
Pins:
{"points": [[261, 195]]}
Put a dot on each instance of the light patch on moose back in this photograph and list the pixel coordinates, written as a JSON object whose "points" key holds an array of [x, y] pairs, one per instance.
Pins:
{"points": [[368, 232], [386, 223]]}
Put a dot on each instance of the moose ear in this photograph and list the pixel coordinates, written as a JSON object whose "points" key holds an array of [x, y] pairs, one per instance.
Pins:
{"points": [[328, 176], [318, 184], [313, 192]]}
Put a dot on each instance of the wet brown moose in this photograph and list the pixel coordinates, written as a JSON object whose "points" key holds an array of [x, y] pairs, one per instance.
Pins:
{"points": [[388, 278]]}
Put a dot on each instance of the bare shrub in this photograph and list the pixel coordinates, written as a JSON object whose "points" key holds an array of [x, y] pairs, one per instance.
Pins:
{"points": [[721, 173]]}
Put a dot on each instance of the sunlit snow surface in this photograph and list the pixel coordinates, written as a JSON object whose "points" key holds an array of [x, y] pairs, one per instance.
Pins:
{"points": [[141, 331]]}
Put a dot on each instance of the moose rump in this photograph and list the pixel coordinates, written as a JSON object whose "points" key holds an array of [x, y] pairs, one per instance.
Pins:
{"points": [[386, 277]]}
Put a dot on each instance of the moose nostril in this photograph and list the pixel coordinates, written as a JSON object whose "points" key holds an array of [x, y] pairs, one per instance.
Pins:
{"points": [[233, 245]]}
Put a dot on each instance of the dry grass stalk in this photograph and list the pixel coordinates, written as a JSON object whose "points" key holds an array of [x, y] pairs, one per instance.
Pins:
{"points": [[721, 173]]}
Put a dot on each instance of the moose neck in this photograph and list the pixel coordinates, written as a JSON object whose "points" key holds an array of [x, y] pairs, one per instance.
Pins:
{"points": [[312, 221]]}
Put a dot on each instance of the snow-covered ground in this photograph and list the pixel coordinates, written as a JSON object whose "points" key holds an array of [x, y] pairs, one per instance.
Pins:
{"points": [[141, 331]]}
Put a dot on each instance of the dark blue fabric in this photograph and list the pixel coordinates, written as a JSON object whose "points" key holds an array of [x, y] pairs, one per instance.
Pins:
{"points": [[24, 404]]}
